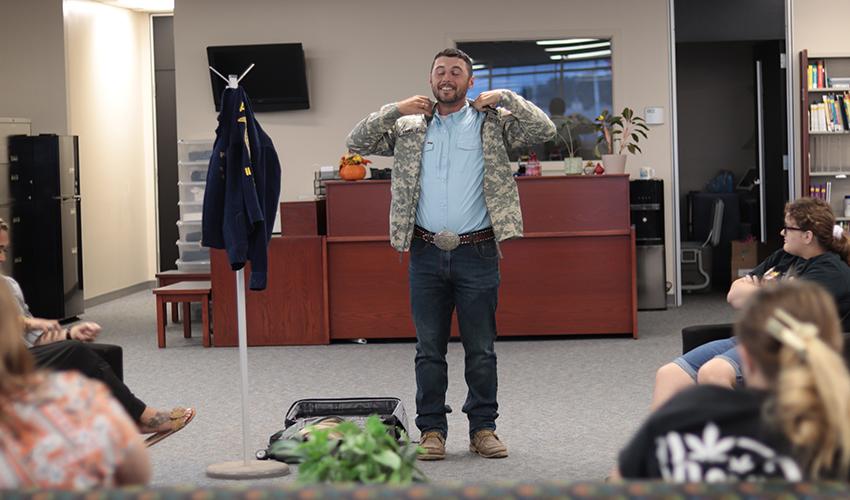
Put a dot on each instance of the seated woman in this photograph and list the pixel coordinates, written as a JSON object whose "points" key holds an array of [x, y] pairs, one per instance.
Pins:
{"points": [[56, 348], [815, 249], [60, 430], [792, 422]]}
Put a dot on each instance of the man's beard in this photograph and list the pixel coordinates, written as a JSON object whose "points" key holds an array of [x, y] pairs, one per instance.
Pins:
{"points": [[458, 96]]}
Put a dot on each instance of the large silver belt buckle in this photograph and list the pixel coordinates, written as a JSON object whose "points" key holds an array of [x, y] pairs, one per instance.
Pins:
{"points": [[446, 240]]}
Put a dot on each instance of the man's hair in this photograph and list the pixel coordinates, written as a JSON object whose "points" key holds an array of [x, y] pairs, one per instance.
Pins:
{"points": [[452, 52], [3, 225]]}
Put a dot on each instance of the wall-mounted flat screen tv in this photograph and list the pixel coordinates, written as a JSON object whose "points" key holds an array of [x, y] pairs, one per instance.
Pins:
{"points": [[278, 81]]}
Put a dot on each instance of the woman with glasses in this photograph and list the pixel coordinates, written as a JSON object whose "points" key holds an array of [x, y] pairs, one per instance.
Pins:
{"points": [[815, 250]]}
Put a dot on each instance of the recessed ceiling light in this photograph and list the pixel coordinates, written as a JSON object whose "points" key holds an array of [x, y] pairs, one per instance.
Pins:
{"points": [[573, 48], [566, 41], [587, 55]]}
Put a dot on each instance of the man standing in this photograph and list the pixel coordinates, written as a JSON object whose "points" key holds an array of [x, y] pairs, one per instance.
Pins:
{"points": [[453, 199]]}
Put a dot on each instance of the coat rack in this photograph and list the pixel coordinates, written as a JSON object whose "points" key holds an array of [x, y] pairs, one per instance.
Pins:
{"points": [[246, 468]]}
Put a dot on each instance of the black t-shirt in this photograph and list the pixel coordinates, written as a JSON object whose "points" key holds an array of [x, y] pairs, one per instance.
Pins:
{"points": [[827, 270], [709, 434]]}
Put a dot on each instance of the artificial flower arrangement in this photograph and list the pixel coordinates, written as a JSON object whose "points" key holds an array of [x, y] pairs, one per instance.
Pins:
{"points": [[352, 166]]}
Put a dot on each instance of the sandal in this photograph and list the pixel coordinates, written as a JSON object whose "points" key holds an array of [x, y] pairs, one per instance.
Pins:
{"points": [[180, 417]]}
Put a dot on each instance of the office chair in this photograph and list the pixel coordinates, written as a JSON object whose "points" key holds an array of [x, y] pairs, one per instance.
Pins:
{"points": [[697, 256]]}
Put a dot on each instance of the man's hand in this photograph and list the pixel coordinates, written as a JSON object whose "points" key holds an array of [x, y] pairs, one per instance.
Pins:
{"points": [[85, 332], [416, 105], [488, 98], [45, 325]]}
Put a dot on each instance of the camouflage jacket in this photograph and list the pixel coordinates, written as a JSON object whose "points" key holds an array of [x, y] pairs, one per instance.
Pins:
{"points": [[515, 123]]}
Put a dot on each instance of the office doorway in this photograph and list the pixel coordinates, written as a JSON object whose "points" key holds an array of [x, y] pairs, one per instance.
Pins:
{"points": [[732, 108], [165, 102]]}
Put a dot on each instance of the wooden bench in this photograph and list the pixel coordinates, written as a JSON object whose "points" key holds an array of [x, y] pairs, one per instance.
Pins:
{"points": [[184, 292], [170, 277]]}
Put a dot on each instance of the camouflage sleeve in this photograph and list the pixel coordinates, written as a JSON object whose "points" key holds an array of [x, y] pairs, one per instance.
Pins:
{"points": [[526, 124], [375, 134]]}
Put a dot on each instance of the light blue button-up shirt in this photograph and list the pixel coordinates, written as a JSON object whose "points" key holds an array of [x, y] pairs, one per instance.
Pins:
{"points": [[451, 180]]}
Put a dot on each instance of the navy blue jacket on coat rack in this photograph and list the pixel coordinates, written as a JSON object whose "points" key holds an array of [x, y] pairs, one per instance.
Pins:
{"points": [[243, 188]]}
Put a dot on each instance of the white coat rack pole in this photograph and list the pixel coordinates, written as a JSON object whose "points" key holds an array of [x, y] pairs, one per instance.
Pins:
{"points": [[243, 356], [247, 468]]}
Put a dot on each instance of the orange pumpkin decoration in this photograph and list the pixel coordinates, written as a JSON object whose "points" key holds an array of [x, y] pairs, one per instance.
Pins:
{"points": [[352, 172], [352, 167]]}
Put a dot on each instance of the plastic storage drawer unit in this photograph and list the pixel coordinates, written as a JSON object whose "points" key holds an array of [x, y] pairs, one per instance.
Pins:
{"points": [[200, 266], [192, 171], [189, 231], [191, 151], [192, 191], [193, 252], [191, 211]]}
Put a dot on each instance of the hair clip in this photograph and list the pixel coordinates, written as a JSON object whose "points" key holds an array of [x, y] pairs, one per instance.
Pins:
{"points": [[787, 330]]}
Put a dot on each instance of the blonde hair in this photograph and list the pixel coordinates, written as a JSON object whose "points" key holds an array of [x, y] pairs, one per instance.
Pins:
{"points": [[16, 363], [811, 390]]}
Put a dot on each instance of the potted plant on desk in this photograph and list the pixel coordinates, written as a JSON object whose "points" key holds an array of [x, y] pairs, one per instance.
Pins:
{"points": [[572, 163], [618, 134]]}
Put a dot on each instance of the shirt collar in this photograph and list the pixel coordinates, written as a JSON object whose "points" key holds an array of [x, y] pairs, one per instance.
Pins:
{"points": [[452, 117]]}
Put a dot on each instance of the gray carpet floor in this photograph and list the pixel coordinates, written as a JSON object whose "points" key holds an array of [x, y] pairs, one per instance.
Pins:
{"points": [[567, 405]]}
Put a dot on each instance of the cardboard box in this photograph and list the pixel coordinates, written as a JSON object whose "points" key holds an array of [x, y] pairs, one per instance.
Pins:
{"points": [[744, 257]]}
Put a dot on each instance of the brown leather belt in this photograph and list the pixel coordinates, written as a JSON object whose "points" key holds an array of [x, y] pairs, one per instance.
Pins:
{"points": [[447, 240]]}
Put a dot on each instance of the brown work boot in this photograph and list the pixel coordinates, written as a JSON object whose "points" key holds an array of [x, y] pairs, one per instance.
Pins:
{"points": [[487, 444], [434, 444]]}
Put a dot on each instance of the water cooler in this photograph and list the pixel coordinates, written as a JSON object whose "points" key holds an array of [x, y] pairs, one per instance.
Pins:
{"points": [[646, 199]]}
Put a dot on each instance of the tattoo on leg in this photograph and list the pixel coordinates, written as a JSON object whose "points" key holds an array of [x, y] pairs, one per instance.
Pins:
{"points": [[157, 420]]}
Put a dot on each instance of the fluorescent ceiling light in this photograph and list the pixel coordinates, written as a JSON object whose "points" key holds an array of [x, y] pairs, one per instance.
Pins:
{"points": [[478, 66], [556, 57], [841, 176], [142, 5], [574, 48], [566, 41], [587, 55]]}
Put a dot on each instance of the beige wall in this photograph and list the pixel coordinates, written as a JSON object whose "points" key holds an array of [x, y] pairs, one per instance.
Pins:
{"points": [[110, 108], [361, 55], [32, 64]]}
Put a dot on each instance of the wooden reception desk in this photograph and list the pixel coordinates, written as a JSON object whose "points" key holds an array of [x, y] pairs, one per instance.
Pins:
{"points": [[573, 273]]}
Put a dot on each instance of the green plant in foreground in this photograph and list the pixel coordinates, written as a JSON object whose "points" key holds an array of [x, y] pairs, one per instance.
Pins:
{"points": [[348, 453]]}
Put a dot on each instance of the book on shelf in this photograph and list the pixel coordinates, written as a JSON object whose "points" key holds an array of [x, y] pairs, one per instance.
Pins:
{"points": [[821, 191], [817, 77], [831, 113]]}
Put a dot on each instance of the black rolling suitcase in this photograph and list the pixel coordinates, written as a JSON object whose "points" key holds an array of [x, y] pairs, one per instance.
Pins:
{"points": [[306, 412]]}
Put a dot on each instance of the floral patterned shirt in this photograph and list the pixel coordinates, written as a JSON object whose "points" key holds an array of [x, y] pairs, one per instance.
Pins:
{"points": [[67, 433]]}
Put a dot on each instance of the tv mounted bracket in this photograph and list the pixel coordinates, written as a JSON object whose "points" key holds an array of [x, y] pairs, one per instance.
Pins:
{"points": [[233, 80]]}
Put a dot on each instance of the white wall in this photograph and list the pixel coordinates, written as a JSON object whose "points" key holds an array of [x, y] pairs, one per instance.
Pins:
{"points": [[361, 55], [110, 108], [32, 64]]}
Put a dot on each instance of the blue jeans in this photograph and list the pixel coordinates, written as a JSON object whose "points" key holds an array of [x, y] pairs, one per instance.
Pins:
{"points": [[466, 279], [726, 349]]}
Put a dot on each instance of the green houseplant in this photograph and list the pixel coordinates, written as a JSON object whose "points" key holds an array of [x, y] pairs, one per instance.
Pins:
{"points": [[349, 453], [572, 164], [618, 134]]}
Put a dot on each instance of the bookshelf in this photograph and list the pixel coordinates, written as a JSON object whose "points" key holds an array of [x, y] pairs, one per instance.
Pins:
{"points": [[825, 130]]}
